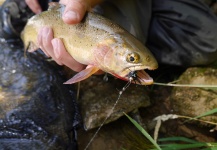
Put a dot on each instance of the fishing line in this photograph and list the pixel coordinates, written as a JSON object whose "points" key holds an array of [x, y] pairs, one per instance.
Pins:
{"points": [[111, 111]]}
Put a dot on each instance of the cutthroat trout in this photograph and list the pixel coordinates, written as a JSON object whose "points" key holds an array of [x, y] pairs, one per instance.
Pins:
{"points": [[96, 42]]}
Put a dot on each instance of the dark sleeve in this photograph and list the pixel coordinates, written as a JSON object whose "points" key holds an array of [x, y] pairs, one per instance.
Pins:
{"points": [[183, 32], [132, 15]]}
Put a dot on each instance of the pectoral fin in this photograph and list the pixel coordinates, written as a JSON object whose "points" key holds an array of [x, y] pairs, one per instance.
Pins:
{"points": [[31, 47], [84, 74]]}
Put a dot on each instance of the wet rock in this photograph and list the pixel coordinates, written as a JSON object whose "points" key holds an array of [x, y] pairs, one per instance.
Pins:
{"points": [[196, 101], [36, 109], [120, 134], [98, 97]]}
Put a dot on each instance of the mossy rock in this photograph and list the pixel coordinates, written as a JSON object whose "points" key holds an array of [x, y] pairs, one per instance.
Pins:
{"points": [[192, 102], [98, 97]]}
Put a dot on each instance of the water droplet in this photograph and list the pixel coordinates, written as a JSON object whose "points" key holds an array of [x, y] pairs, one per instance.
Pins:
{"points": [[13, 71]]}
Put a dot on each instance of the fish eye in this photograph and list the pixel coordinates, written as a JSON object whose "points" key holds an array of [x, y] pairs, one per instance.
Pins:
{"points": [[133, 58]]}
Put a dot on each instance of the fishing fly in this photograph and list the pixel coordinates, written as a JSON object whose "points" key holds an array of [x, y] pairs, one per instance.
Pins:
{"points": [[133, 77]]}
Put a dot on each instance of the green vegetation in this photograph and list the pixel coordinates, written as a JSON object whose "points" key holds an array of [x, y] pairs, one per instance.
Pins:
{"points": [[144, 132], [211, 87], [177, 143], [181, 143]]}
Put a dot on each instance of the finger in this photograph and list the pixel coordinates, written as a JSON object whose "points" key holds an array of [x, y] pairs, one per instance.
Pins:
{"points": [[40, 38], [45, 43], [74, 11], [63, 56], [34, 6]]}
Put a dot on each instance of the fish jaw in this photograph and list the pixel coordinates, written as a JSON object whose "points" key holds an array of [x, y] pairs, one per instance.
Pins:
{"points": [[143, 78], [139, 75]]}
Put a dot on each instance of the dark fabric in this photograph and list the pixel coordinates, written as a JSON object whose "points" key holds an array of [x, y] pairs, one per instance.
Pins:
{"points": [[14, 15], [183, 33], [178, 32], [133, 15]]}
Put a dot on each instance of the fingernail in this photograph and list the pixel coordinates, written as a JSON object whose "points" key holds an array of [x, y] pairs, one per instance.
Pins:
{"points": [[71, 15]]}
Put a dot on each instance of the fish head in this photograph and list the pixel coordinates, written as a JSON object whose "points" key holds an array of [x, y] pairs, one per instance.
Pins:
{"points": [[125, 57]]}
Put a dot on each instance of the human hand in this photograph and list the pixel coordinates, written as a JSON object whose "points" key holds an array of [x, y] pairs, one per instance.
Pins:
{"points": [[73, 13], [34, 6], [74, 10], [54, 47]]}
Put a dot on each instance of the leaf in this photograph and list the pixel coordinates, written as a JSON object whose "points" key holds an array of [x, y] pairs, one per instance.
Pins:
{"points": [[143, 132], [191, 144], [182, 146], [182, 139], [213, 111], [207, 87], [211, 88]]}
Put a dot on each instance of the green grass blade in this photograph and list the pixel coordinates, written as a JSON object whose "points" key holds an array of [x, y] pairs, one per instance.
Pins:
{"points": [[143, 132], [213, 111], [182, 146], [211, 87], [192, 144], [210, 148], [179, 139]]}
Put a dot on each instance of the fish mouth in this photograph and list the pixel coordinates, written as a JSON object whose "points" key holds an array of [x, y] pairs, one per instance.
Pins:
{"points": [[137, 75], [140, 77]]}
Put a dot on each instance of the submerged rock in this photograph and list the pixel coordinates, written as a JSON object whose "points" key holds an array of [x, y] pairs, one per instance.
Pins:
{"points": [[36, 109], [193, 102], [97, 98]]}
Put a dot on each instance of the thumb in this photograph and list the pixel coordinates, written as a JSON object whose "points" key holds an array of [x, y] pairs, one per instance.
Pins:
{"points": [[74, 11]]}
